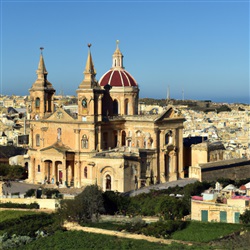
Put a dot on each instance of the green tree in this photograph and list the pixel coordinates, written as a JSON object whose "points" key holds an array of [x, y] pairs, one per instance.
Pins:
{"points": [[87, 206], [115, 202], [11, 172], [245, 217], [171, 208]]}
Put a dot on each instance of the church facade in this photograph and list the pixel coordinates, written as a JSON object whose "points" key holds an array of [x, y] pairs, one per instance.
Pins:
{"points": [[107, 142]]}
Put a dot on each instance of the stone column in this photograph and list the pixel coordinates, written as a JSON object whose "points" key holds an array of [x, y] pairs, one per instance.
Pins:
{"points": [[162, 157], [76, 173], [132, 106], [99, 111], [180, 153], [31, 170], [77, 157], [173, 167], [91, 108], [99, 139], [119, 138], [53, 175], [121, 108], [64, 172], [155, 137], [79, 174]]}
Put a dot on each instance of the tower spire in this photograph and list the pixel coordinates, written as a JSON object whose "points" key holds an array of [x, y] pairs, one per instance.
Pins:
{"points": [[89, 80], [89, 64], [117, 57], [41, 92], [42, 73], [41, 70]]}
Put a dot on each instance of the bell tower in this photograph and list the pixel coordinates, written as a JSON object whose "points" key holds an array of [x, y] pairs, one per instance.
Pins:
{"points": [[41, 93], [89, 94]]}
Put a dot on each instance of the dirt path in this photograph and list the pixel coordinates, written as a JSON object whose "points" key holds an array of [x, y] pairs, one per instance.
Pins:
{"points": [[75, 226]]}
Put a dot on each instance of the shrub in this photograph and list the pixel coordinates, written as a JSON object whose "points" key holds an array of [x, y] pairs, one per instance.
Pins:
{"points": [[31, 192], [135, 226], [51, 192], [28, 224], [110, 202], [14, 241], [163, 229], [33, 205], [115, 202], [11, 172], [245, 217]]}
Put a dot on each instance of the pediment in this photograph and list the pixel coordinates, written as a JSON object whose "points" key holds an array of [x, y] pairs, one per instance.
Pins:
{"points": [[167, 114], [51, 151], [56, 148], [60, 115]]}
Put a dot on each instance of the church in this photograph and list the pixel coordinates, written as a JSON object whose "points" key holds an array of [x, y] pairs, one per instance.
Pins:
{"points": [[107, 142]]}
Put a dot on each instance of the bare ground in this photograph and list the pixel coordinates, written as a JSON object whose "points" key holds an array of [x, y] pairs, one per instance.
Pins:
{"points": [[75, 226]]}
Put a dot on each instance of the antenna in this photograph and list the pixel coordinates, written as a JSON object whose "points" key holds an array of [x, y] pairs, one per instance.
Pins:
{"points": [[168, 93], [182, 94]]}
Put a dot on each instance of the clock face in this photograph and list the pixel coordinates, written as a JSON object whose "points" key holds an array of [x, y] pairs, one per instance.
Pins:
{"points": [[84, 103]]}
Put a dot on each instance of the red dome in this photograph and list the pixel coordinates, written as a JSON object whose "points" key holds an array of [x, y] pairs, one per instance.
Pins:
{"points": [[117, 78]]}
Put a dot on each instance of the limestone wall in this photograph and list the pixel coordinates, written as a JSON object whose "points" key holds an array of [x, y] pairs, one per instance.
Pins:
{"points": [[236, 172], [194, 172], [43, 203]]}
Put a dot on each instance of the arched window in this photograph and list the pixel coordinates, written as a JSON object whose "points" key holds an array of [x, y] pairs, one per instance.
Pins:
{"points": [[37, 140], [38, 168], [37, 103], [49, 104], [85, 141], [108, 182], [115, 107], [123, 138], [86, 172], [116, 139]]}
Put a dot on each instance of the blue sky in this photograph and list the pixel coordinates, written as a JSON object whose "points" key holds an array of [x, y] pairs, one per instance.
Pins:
{"points": [[201, 47]]}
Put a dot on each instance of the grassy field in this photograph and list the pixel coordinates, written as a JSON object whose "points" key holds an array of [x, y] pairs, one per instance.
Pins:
{"points": [[72, 240], [195, 231], [205, 231], [198, 232]]}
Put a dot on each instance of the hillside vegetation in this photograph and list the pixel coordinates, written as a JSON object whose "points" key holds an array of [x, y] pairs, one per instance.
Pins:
{"points": [[35, 230]]}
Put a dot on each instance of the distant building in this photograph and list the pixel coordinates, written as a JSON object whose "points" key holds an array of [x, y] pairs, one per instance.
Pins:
{"points": [[6, 152], [219, 205], [234, 169]]}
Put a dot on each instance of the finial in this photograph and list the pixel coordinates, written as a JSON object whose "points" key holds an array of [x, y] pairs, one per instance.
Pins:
{"points": [[89, 45], [117, 44], [41, 48]]}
